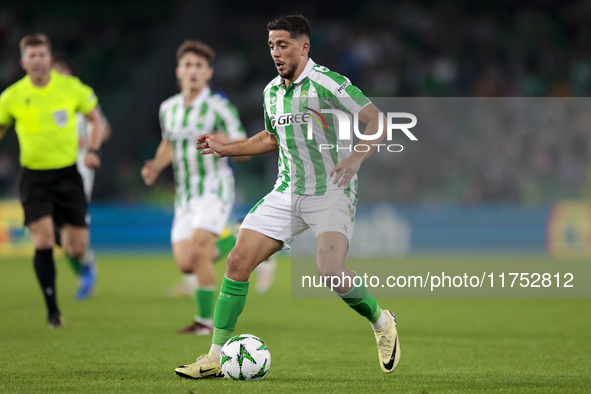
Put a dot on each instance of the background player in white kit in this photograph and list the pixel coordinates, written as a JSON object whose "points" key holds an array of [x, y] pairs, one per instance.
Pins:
{"points": [[85, 268], [204, 186]]}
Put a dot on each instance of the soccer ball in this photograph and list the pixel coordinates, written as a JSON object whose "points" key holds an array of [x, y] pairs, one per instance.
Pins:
{"points": [[245, 357]]}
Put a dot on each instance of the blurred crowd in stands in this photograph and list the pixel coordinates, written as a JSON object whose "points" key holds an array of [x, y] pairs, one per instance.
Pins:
{"points": [[424, 48]]}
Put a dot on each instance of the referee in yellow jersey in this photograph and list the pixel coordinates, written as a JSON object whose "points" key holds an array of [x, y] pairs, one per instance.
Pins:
{"points": [[43, 106]]}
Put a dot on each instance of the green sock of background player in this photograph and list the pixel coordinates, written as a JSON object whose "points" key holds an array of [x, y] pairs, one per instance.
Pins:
{"points": [[74, 263], [225, 245], [204, 304], [204, 296]]}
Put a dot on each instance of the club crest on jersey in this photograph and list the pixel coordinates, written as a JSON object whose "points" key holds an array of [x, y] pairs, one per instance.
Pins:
{"points": [[60, 117], [303, 97], [200, 121]]}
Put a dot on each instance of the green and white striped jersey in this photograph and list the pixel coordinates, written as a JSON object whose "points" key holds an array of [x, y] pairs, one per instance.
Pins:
{"points": [[195, 174], [303, 167]]}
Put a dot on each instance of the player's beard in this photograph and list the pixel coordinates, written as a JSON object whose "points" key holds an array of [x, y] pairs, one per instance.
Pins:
{"points": [[289, 73]]}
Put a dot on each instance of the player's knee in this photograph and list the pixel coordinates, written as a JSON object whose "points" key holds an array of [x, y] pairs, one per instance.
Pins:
{"points": [[200, 255], [185, 262], [44, 242], [201, 246], [43, 237], [238, 265], [196, 256], [76, 248]]}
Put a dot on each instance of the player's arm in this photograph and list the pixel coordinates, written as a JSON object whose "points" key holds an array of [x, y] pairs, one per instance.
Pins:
{"points": [[347, 168], [107, 131], [263, 142], [87, 104], [370, 115], [162, 159], [97, 125], [224, 138]]}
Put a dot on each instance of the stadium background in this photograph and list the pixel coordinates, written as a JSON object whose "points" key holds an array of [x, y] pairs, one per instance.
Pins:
{"points": [[409, 49], [456, 198]]}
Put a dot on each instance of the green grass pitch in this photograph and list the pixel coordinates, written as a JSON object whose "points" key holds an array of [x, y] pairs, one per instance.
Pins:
{"points": [[123, 340]]}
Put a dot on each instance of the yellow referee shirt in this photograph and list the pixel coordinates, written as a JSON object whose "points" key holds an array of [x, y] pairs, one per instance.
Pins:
{"points": [[45, 119]]}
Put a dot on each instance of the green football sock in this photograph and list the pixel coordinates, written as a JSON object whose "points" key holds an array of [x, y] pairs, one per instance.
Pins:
{"points": [[361, 300], [204, 302], [74, 264], [227, 309], [225, 245]]}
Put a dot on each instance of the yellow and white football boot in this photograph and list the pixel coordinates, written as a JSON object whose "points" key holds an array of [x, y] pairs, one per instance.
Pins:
{"points": [[388, 343], [206, 366]]}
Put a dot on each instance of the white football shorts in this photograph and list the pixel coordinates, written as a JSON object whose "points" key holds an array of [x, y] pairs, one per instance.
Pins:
{"points": [[208, 212], [284, 216]]}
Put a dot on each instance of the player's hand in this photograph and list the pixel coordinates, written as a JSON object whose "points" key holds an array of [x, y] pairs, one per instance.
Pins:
{"points": [[345, 170], [92, 160], [149, 172], [210, 144]]}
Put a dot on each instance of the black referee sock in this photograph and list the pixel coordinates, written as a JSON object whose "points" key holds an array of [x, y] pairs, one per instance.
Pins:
{"points": [[45, 270]]}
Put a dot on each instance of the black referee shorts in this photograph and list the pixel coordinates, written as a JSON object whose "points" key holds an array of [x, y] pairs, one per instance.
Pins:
{"points": [[58, 193]]}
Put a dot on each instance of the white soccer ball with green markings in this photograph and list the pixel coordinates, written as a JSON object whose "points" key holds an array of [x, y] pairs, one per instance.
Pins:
{"points": [[245, 357]]}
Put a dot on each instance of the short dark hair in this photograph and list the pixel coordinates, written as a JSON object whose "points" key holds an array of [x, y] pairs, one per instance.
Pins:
{"points": [[296, 25], [34, 39], [197, 47]]}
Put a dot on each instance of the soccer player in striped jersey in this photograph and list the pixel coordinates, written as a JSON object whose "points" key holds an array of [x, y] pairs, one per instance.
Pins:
{"points": [[85, 267], [204, 184], [315, 189]]}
